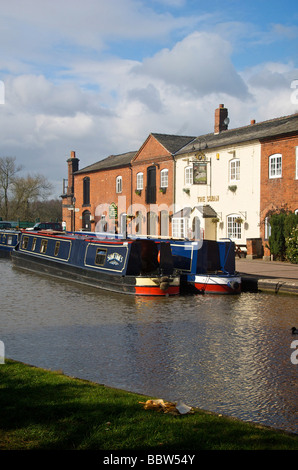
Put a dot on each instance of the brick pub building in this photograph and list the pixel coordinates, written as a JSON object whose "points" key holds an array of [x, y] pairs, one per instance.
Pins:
{"points": [[136, 192]]}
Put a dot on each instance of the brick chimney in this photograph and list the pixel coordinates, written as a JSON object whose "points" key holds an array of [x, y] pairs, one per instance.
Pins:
{"points": [[221, 113], [73, 166]]}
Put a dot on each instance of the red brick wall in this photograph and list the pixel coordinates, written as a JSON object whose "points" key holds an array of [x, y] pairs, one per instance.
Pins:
{"points": [[153, 152], [278, 193], [102, 193], [103, 189]]}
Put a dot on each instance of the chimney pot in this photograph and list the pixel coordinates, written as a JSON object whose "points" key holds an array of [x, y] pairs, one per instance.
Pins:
{"points": [[253, 121]]}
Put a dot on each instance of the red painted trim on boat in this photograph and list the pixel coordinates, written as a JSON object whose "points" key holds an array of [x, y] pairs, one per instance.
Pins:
{"points": [[156, 291], [215, 288]]}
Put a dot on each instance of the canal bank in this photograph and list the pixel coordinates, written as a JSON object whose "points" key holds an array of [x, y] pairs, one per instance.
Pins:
{"points": [[268, 276], [47, 410]]}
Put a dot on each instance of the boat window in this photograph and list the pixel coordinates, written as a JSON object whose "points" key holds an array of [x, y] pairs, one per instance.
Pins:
{"points": [[33, 244], [25, 243], [43, 246], [9, 240], [100, 257], [57, 246]]}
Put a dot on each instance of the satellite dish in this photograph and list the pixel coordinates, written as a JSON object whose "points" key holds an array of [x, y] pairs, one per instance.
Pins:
{"points": [[226, 121]]}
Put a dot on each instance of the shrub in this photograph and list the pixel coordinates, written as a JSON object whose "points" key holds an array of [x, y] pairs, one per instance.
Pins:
{"points": [[282, 225], [292, 246]]}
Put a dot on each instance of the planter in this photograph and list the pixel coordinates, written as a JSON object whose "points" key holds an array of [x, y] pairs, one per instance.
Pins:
{"points": [[162, 190], [233, 188], [138, 192], [186, 190]]}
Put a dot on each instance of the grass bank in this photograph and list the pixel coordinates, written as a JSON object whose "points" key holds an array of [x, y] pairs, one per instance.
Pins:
{"points": [[46, 410]]}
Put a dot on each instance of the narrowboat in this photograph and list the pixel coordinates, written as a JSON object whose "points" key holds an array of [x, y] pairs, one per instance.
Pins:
{"points": [[206, 266], [8, 241], [140, 267]]}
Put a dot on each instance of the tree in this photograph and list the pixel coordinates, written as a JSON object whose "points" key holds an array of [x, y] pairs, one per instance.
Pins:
{"points": [[8, 171], [25, 191]]}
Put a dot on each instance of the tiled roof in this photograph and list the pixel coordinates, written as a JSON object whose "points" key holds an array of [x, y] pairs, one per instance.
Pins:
{"points": [[173, 143], [113, 161], [262, 130]]}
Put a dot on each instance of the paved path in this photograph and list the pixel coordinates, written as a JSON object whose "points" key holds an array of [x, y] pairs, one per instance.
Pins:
{"points": [[279, 277]]}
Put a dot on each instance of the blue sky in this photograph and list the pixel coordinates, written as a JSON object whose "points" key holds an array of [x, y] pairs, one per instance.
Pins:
{"points": [[98, 76]]}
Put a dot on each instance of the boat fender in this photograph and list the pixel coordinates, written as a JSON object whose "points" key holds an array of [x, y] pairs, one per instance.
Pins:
{"points": [[164, 285], [234, 285]]}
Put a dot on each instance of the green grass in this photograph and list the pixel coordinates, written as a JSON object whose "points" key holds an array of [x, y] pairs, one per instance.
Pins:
{"points": [[46, 410]]}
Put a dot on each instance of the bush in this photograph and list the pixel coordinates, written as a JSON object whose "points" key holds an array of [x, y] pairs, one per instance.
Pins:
{"points": [[282, 225], [292, 246]]}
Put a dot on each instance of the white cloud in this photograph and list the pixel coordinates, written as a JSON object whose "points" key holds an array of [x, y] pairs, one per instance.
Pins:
{"points": [[66, 88], [199, 64]]}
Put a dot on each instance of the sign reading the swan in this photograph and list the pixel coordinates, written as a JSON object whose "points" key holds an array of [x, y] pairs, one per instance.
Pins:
{"points": [[115, 258]]}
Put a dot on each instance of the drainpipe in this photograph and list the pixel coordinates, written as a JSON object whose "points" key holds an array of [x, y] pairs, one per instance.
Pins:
{"points": [[174, 186], [131, 189]]}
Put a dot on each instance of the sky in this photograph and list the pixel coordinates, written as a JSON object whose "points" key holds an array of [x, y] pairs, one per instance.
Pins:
{"points": [[98, 76]]}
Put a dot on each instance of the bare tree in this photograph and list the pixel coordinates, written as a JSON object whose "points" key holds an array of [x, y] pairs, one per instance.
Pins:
{"points": [[8, 171], [27, 190]]}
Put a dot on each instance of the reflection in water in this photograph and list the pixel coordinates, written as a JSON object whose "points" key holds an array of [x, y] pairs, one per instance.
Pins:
{"points": [[228, 354]]}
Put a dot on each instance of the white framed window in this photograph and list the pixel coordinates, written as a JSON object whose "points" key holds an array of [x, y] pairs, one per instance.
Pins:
{"points": [[296, 163], [188, 175], [275, 165], [234, 227], [119, 184], [267, 228], [140, 180], [180, 227], [234, 171], [164, 178]]}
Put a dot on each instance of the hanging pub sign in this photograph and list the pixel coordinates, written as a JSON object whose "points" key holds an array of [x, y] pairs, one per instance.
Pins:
{"points": [[199, 173], [113, 211]]}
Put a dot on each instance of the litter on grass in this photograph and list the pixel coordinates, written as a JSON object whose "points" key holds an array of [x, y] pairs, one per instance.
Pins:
{"points": [[179, 408]]}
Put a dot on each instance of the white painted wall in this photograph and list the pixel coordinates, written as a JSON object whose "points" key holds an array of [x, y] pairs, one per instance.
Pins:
{"points": [[245, 202]]}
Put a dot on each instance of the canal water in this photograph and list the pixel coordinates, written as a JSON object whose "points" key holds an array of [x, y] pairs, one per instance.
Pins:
{"points": [[228, 354]]}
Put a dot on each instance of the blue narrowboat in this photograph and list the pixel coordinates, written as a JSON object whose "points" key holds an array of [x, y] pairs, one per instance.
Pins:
{"points": [[206, 266], [8, 241], [140, 267]]}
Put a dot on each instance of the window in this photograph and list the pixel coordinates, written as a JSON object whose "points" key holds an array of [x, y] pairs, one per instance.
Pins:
{"points": [[25, 243], [267, 228], [138, 222], [180, 227], [164, 223], [34, 243], [86, 190], [164, 178], [57, 246], [140, 181], [188, 175], [119, 184], [100, 257], [275, 162], [234, 227], [43, 246], [234, 170]]}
